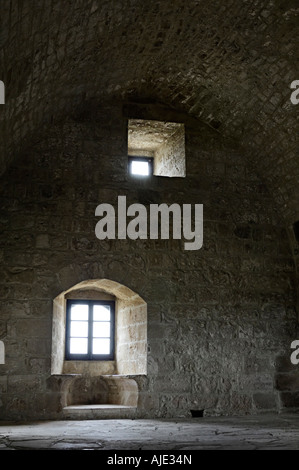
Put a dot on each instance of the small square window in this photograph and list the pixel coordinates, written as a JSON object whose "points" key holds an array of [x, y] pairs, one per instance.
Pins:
{"points": [[140, 166], [162, 141]]}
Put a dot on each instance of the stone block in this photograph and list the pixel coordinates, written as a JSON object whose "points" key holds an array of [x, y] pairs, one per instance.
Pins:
{"points": [[289, 399], [283, 363], [265, 401], [288, 381]]}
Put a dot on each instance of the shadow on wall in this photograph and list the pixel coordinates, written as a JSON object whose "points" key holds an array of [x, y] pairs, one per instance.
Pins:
{"points": [[287, 382]]}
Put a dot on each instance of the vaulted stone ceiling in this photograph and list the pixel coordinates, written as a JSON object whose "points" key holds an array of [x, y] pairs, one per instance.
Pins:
{"points": [[229, 63]]}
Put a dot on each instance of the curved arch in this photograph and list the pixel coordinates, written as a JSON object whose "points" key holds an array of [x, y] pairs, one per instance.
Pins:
{"points": [[131, 330]]}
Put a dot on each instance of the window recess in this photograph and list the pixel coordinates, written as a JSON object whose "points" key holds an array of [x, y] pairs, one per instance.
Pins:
{"points": [[162, 142]]}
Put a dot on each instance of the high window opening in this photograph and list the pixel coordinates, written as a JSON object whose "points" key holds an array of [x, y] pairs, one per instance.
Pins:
{"points": [[140, 166], [89, 330], [161, 142]]}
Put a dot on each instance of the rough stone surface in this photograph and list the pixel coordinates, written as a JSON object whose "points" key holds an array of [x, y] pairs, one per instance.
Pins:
{"points": [[249, 433], [228, 63], [218, 318]]}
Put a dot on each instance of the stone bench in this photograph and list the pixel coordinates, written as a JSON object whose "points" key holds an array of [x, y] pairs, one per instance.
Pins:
{"points": [[96, 397]]}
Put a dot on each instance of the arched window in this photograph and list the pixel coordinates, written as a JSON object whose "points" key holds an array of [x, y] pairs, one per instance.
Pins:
{"points": [[126, 329]]}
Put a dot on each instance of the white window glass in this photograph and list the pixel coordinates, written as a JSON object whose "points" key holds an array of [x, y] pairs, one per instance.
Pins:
{"points": [[79, 312], [101, 329], [139, 168], [101, 313], [78, 345], [101, 346], [79, 329]]}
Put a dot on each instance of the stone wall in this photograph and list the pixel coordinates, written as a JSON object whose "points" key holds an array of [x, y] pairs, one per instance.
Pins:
{"points": [[131, 339], [219, 319], [170, 158]]}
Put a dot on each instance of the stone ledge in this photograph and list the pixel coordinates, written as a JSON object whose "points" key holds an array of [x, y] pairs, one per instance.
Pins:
{"points": [[99, 406], [99, 411]]}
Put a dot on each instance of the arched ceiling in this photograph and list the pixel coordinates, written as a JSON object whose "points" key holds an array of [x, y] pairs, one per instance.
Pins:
{"points": [[229, 63]]}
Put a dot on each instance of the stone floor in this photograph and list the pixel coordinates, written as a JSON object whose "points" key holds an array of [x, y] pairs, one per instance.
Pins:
{"points": [[224, 433]]}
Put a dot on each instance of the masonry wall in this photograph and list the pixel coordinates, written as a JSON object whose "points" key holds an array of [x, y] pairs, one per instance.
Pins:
{"points": [[220, 319], [131, 351], [170, 157]]}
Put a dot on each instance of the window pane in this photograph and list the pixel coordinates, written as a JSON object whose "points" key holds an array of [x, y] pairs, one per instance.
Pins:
{"points": [[101, 346], [101, 329], [79, 312], [101, 313], [79, 329], [78, 345], [139, 168]]}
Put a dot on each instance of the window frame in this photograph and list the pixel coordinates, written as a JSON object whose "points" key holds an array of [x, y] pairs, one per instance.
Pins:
{"points": [[89, 356], [149, 160]]}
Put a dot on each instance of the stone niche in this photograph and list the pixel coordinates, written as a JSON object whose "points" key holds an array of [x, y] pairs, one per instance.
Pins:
{"points": [[103, 381], [131, 330], [164, 141]]}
